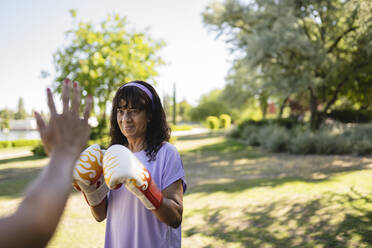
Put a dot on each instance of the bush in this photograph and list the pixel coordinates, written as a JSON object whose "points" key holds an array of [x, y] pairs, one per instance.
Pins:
{"points": [[329, 139], [327, 143], [303, 143], [39, 150], [364, 147], [251, 135], [225, 121], [274, 138], [213, 122], [351, 115], [5, 144], [20, 143], [288, 123]]}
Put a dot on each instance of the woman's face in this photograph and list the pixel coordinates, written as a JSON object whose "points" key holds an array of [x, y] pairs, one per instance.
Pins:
{"points": [[132, 122]]}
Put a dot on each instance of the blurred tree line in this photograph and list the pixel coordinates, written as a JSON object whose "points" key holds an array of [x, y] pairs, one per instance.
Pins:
{"points": [[7, 114], [313, 56]]}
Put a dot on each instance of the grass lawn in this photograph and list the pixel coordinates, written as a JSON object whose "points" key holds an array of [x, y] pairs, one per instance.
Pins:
{"points": [[238, 196]]}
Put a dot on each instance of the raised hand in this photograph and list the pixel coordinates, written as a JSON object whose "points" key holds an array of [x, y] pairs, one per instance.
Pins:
{"points": [[66, 131]]}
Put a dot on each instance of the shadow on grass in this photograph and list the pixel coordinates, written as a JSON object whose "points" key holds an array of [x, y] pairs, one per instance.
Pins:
{"points": [[14, 180], [238, 186], [332, 220]]}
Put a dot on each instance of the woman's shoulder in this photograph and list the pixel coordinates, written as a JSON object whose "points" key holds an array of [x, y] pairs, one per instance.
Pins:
{"points": [[168, 148]]}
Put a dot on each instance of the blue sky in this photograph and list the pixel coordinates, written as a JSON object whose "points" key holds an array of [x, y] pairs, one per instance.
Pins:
{"points": [[31, 31]]}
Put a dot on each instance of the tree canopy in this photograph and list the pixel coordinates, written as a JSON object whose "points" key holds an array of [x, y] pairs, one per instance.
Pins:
{"points": [[101, 57], [284, 47]]}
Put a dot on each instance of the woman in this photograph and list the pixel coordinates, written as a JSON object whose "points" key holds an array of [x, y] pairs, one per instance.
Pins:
{"points": [[138, 122]]}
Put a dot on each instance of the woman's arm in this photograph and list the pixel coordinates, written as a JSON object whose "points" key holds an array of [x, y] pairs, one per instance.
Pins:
{"points": [[99, 212], [171, 208]]}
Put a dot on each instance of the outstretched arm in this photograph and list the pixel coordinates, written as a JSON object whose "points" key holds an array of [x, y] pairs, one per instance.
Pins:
{"points": [[64, 137]]}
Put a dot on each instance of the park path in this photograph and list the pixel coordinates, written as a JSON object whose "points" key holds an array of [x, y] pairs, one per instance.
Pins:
{"points": [[15, 154]]}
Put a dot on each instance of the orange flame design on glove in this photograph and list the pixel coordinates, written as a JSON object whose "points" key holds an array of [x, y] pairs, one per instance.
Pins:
{"points": [[111, 162], [92, 165], [145, 178]]}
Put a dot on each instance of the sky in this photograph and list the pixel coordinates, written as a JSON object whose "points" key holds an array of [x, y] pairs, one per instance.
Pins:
{"points": [[31, 31]]}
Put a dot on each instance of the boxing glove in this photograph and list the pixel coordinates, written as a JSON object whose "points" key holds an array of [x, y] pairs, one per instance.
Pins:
{"points": [[121, 166], [88, 175]]}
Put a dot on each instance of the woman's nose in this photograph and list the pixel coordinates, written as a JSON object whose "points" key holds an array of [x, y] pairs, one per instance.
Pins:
{"points": [[125, 116]]}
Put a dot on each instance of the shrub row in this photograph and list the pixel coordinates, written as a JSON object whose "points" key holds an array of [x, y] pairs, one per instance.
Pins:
{"points": [[351, 115], [18, 143], [330, 139]]}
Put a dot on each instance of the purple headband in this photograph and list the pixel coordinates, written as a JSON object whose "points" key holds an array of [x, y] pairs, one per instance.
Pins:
{"points": [[144, 88]]}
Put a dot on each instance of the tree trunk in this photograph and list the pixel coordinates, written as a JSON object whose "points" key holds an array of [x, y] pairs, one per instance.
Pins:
{"points": [[315, 119], [282, 106], [264, 111]]}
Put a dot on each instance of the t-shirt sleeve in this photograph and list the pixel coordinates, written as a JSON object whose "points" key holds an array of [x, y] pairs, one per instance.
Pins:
{"points": [[173, 168]]}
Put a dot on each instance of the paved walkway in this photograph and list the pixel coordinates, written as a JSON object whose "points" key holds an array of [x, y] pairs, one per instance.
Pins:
{"points": [[190, 132], [15, 154]]}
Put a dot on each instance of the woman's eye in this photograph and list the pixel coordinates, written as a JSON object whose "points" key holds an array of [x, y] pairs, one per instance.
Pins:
{"points": [[133, 111]]}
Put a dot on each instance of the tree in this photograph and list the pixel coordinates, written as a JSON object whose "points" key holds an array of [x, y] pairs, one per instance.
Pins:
{"points": [[21, 112], [184, 109], [321, 47], [210, 104], [102, 57]]}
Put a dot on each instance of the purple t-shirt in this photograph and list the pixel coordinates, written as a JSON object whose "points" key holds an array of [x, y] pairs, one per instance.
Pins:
{"points": [[129, 223]]}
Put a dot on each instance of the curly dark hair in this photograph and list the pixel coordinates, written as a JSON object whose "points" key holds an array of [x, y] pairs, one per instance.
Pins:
{"points": [[158, 129]]}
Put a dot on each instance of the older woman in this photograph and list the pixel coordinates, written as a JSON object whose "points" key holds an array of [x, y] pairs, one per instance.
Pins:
{"points": [[138, 122]]}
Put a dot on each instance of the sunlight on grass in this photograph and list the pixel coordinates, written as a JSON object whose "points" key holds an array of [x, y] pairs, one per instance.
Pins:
{"points": [[238, 197]]}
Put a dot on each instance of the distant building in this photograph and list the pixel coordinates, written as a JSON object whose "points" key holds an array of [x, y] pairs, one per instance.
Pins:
{"points": [[23, 125], [271, 108]]}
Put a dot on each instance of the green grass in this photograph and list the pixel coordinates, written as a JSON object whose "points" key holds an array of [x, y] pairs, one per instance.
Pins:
{"points": [[180, 127], [241, 197], [238, 196]]}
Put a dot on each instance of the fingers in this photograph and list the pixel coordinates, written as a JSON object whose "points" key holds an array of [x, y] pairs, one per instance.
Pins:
{"points": [[40, 122], [76, 100], [88, 108], [65, 95], [51, 105]]}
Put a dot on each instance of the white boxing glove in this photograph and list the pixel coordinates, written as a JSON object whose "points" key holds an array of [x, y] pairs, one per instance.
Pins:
{"points": [[88, 175], [121, 166]]}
